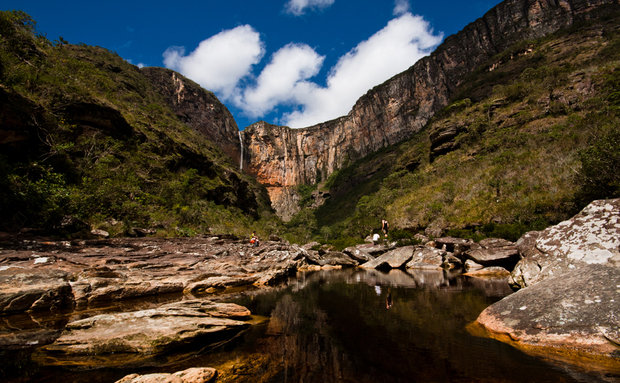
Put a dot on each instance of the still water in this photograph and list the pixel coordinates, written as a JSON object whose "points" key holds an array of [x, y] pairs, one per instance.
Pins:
{"points": [[349, 326]]}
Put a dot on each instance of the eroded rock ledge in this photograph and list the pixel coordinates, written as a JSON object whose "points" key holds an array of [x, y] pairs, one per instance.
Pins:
{"points": [[568, 306]]}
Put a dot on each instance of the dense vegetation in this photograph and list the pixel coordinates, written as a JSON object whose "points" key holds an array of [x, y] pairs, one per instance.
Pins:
{"points": [[535, 139], [87, 141]]}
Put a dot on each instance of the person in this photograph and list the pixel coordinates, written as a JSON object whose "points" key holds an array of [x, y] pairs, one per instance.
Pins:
{"points": [[254, 240], [385, 226], [375, 238]]}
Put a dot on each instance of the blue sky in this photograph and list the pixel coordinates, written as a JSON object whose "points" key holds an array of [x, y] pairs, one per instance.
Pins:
{"points": [[288, 62]]}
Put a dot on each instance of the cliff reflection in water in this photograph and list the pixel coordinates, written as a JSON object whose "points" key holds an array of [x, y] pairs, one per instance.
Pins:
{"points": [[336, 326]]}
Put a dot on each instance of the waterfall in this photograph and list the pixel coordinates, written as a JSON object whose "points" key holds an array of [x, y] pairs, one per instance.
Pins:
{"points": [[241, 157]]}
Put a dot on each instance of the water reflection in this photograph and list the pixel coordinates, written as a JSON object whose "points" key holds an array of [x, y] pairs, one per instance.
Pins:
{"points": [[334, 327], [358, 326]]}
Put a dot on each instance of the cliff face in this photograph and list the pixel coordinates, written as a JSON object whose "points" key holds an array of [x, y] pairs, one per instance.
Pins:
{"points": [[282, 158], [197, 108]]}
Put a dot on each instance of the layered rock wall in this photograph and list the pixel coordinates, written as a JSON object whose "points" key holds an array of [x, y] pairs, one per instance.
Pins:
{"points": [[198, 108], [282, 158]]}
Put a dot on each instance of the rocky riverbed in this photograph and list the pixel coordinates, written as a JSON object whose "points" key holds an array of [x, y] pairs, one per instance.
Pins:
{"points": [[54, 294]]}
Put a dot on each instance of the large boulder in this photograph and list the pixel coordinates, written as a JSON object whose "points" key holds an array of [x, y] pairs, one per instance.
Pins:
{"points": [[590, 237], [454, 245], [366, 252], [131, 337], [571, 317], [337, 258], [494, 252], [427, 258], [393, 259]]}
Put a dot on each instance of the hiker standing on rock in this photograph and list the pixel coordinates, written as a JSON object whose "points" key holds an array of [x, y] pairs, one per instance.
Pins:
{"points": [[385, 227]]}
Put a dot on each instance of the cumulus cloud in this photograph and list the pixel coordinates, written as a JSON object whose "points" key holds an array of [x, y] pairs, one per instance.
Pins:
{"points": [[388, 52], [282, 80], [401, 7], [299, 7], [224, 64], [221, 61]]}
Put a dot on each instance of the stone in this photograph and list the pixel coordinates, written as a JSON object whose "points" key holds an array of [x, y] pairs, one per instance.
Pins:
{"points": [[366, 252], [494, 252], [34, 289], [100, 233], [191, 375], [571, 317], [91, 273], [334, 258], [426, 258], [453, 245], [590, 237], [393, 259], [144, 333]]}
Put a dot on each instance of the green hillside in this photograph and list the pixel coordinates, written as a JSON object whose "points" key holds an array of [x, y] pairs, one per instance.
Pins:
{"points": [[85, 138], [531, 138]]}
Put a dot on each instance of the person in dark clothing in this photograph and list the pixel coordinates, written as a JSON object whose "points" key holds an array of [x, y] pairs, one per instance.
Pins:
{"points": [[385, 226]]}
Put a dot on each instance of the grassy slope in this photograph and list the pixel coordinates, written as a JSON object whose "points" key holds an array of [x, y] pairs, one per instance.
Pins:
{"points": [[157, 172], [526, 131]]}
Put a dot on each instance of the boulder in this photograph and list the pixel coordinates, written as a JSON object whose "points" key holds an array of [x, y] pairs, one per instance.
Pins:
{"points": [[453, 245], [571, 317], [139, 335], [191, 375], [590, 237], [34, 289], [494, 252], [100, 233], [393, 259], [367, 250], [427, 258], [336, 258]]}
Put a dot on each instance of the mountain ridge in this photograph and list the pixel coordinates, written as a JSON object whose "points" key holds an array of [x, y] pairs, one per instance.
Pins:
{"points": [[401, 106]]}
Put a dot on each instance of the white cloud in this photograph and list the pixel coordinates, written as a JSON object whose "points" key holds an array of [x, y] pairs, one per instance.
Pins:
{"points": [[298, 7], [401, 7], [388, 52], [223, 64], [282, 79], [221, 61]]}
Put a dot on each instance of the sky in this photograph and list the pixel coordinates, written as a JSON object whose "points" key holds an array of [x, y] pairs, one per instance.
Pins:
{"points": [[287, 62]]}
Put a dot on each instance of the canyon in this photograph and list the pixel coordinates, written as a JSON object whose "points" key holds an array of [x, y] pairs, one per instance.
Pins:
{"points": [[281, 158]]}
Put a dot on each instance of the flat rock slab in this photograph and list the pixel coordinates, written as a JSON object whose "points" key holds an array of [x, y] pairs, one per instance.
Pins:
{"points": [[191, 375], [33, 289], [427, 258], [393, 259], [93, 272], [145, 333], [572, 317]]}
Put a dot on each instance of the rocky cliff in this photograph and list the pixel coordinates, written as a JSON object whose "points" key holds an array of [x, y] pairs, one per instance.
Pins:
{"points": [[197, 108], [282, 158]]}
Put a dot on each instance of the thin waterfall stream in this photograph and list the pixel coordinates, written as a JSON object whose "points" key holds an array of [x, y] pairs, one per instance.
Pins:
{"points": [[241, 157]]}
